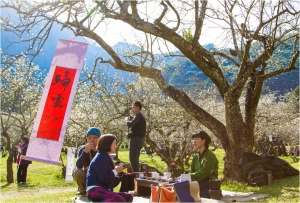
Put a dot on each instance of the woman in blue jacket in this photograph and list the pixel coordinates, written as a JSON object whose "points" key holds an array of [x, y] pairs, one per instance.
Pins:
{"points": [[102, 173]]}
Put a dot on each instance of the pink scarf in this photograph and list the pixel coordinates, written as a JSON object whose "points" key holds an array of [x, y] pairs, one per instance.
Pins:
{"points": [[19, 160]]}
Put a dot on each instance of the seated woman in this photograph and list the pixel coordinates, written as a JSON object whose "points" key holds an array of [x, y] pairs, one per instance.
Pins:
{"points": [[102, 174], [203, 163]]}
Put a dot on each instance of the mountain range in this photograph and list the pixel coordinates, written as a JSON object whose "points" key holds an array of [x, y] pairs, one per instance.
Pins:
{"points": [[177, 71]]}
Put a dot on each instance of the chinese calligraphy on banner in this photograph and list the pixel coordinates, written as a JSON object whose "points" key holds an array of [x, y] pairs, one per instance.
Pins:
{"points": [[54, 109], [56, 103]]}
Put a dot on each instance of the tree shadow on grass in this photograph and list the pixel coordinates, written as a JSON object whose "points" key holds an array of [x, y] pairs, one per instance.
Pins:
{"points": [[4, 186], [25, 186], [20, 186]]}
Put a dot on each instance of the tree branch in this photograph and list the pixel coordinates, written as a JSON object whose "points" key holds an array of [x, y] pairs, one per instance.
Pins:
{"points": [[217, 53], [199, 21], [229, 10], [155, 74], [177, 16], [285, 70], [158, 20], [134, 9]]}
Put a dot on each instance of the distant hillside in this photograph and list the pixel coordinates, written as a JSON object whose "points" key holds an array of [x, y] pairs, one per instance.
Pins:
{"points": [[181, 72], [284, 83], [178, 71]]}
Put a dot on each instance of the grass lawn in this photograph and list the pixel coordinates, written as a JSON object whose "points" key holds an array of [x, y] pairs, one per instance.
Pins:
{"points": [[46, 184]]}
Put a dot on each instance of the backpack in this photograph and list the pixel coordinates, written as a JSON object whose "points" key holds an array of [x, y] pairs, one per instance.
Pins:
{"points": [[257, 177]]}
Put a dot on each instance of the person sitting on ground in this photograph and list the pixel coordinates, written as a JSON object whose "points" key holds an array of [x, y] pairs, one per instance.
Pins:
{"points": [[102, 175], [203, 163], [85, 155]]}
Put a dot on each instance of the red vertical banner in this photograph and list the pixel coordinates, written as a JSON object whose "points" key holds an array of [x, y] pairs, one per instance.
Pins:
{"points": [[56, 103], [54, 110]]}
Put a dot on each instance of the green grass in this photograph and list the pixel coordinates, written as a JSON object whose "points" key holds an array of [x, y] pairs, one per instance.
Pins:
{"points": [[156, 162], [281, 190], [46, 184]]}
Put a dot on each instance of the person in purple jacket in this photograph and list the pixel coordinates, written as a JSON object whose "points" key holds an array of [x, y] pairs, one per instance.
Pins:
{"points": [[85, 155], [22, 164], [102, 175]]}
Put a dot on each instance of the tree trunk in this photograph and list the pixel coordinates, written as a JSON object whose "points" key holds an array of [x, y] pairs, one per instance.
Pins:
{"points": [[10, 159], [240, 139], [232, 168], [9, 167], [233, 156]]}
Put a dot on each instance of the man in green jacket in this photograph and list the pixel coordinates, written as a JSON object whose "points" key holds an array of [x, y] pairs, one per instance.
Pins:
{"points": [[203, 163]]}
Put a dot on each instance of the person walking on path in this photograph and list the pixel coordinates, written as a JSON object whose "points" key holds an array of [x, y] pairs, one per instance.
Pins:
{"points": [[137, 133]]}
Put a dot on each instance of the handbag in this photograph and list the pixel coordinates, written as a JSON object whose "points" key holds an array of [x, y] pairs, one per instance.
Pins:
{"points": [[187, 191], [162, 193]]}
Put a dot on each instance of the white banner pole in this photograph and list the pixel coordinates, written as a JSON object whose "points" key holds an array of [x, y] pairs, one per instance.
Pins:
{"points": [[70, 164]]}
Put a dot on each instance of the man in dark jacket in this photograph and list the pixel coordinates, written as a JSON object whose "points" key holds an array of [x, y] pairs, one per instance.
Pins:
{"points": [[137, 133], [85, 155]]}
